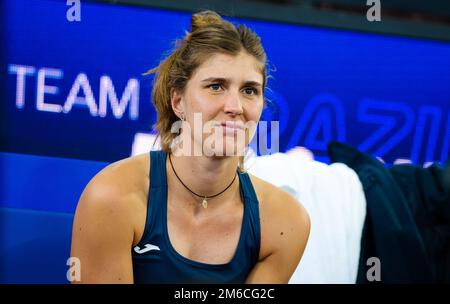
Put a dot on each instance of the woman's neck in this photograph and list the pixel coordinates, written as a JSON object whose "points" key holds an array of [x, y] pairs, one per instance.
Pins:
{"points": [[203, 175]]}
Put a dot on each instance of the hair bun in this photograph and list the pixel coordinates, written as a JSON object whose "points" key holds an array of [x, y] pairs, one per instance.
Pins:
{"points": [[204, 19]]}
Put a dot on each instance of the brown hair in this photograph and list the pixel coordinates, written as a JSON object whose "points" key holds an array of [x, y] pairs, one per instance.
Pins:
{"points": [[210, 34]]}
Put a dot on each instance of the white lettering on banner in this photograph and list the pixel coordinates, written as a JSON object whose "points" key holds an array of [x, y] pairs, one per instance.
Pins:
{"points": [[81, 82], [42, 89], [130, 94], [129, 98], [22, 71]]}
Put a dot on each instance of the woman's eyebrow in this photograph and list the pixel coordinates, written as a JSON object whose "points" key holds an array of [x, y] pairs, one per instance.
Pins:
{"points": [[252, 84], [215, 79], [226, 80]]}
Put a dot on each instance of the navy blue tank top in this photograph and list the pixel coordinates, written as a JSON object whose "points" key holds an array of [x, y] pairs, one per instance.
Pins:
{"points": [[156, 261]]}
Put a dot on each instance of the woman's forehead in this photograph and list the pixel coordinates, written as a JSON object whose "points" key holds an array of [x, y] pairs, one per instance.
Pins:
{"points": [[238, 67]]}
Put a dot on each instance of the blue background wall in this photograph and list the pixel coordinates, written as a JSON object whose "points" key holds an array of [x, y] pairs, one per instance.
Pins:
{"points": [[387, 95]]}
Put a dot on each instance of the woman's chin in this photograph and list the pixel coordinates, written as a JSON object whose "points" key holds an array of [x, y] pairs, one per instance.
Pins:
{"points": [[230, 148]]}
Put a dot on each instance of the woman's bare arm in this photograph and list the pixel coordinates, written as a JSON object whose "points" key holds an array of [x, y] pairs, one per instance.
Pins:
{"points": [[102, 233], [286, 226]]}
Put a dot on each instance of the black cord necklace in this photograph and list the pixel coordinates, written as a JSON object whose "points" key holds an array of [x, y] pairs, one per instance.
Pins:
{"points": [[204, 202]]}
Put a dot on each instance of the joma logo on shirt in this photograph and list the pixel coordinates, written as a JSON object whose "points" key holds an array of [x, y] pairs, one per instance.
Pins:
{"points": [[147, 248]]}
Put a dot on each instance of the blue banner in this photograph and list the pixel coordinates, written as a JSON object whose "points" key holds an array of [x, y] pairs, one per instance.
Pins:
{"points": [[75, 89]]}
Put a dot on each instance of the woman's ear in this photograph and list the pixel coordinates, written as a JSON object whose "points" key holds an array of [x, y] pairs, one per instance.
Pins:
{"points": [[176, 101]]}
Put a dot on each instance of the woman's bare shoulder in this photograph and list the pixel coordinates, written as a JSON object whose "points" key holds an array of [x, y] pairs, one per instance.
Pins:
{"points": [[109, 219], [282, 216], [121, 179], [275, 200], [115, 198], [117, 193], [270, 195]]}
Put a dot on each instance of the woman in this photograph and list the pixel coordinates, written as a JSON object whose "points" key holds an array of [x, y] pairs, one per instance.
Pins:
{"points": [[179, 216]]}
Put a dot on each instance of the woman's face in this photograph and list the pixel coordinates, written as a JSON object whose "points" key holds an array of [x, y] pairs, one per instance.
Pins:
{"points": [[228, 93]]}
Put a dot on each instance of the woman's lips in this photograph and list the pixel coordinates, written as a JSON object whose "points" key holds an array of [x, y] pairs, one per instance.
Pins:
{"points": [[231, 127]]}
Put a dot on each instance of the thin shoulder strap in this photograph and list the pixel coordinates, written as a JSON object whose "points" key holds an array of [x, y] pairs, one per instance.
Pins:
{"points": [[251, 203], [158, 174], [247, 187], [155, 196]]}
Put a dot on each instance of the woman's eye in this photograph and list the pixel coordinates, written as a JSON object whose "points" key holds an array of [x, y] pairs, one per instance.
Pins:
{"points": [[250, 91], [215, 87]]}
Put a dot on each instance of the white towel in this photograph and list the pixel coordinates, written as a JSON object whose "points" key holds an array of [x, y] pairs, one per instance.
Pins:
{"points": [[334, 198]]}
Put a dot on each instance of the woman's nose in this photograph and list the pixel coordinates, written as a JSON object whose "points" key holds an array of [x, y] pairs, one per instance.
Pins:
{"points": [[233, 105]]}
